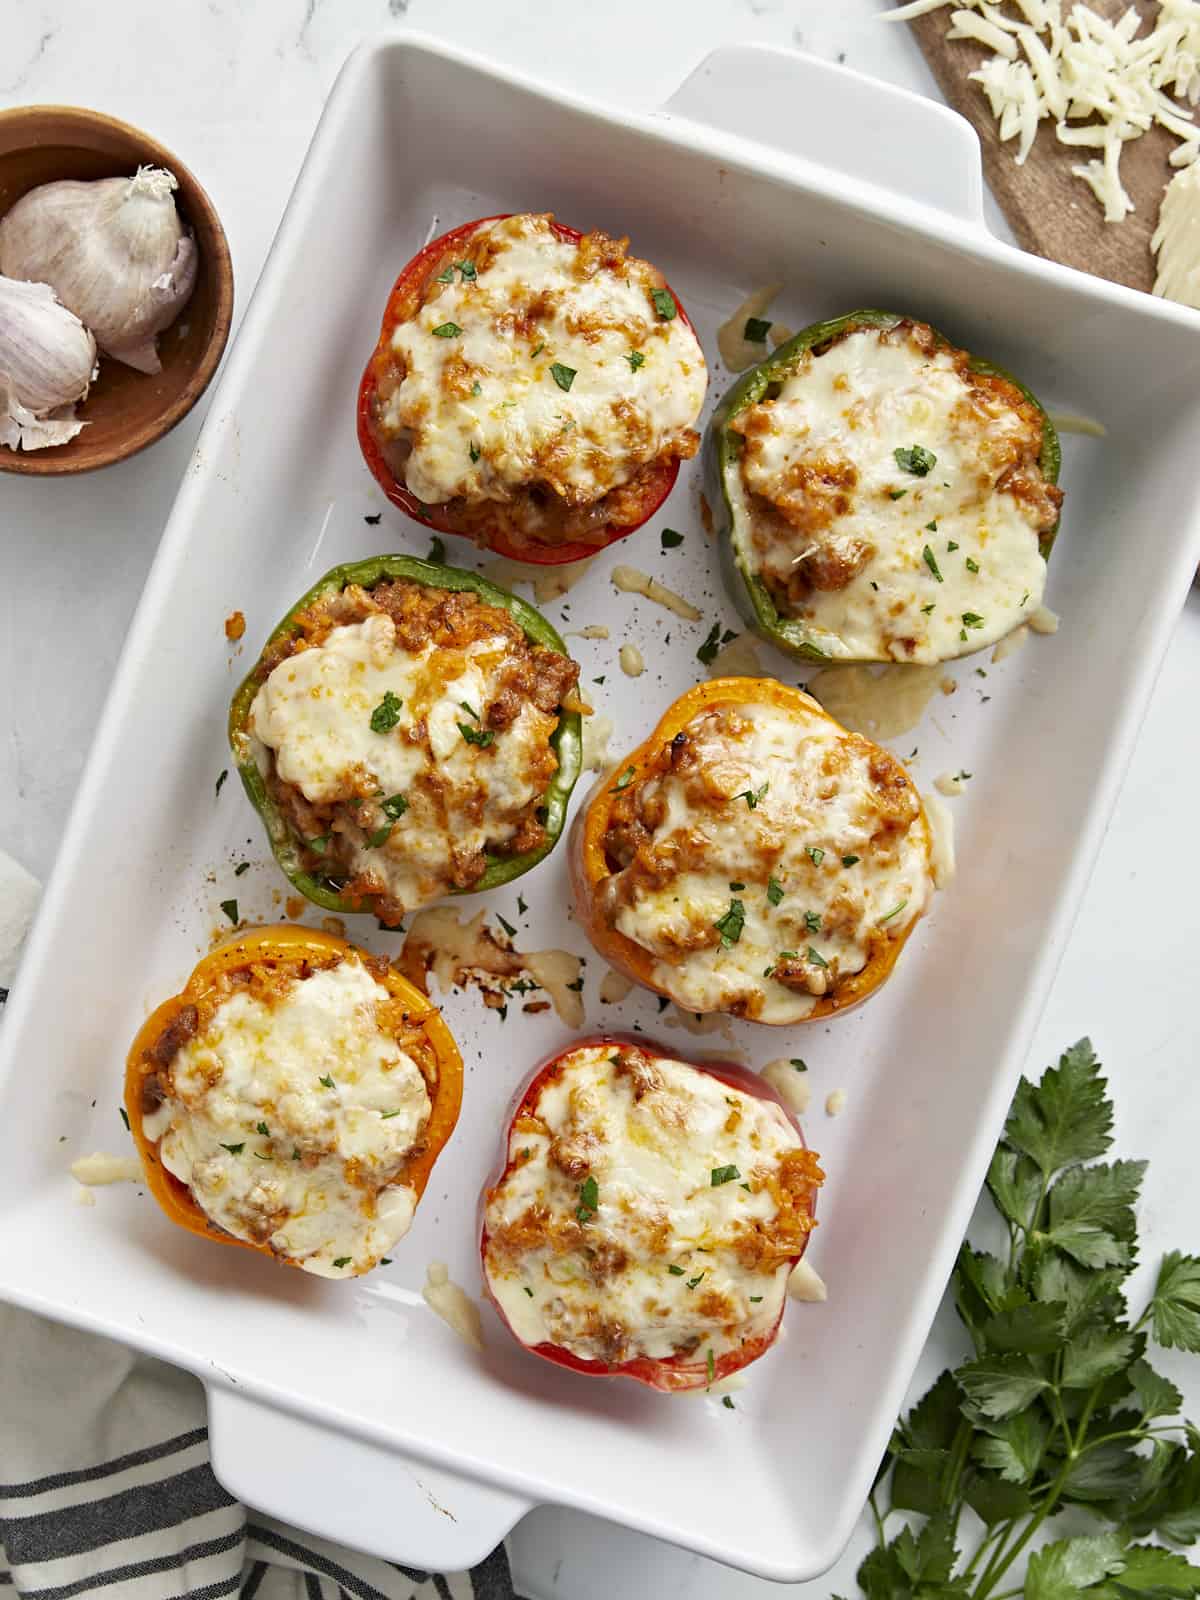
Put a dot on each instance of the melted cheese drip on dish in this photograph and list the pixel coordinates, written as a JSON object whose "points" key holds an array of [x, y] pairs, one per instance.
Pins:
{"points": [[816, 805], [314, 711], [317, 1187], [652, 1157], [858, 403], [523, 427]]}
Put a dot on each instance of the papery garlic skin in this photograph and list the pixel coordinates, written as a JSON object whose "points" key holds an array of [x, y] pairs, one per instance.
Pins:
{"points": [[115, 252], [47, 361]]}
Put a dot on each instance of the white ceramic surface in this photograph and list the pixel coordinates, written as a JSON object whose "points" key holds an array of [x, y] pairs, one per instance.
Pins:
{"points": [[196, 78], [263, 510]]}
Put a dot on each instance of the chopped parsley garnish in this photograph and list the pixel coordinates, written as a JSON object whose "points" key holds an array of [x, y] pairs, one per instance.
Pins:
{"points": [[446, 275], [727, 1402], [125, 1118], [295, 1154], [527, 1290], [928, 610], [897, 494], [471, 712], [756, 330], [664, 304], [676, 1272], [341, 1261], [692, 1282], [931, 562], [522, 908], [384, 1115], [320, 844], [467, 268], [394, 806], [722, 1175], [447, 330], [799, 1064], [564, 377], [261, 1127], [670, 539], [754, 1299], [731, 924], [851, 861], [230, 908], [221, 776], [506, 925], [234, 1149], [374, 519], [537, 349], [951, 545], [437, 551], [386, 714], [636, 359], [812, 922], [708, 650], [737, 887], [477, 388], [774, 891], [577, 986], [915, 459], [473, 452], [817, 959], [753, 796], [815, 854], [625, 779], [931, 527], [972, 619], [326, 1082], [589, 1199], [474, 736], [710, 1365], [894, 912], [380, 836], [972, 565], [242, 866]]}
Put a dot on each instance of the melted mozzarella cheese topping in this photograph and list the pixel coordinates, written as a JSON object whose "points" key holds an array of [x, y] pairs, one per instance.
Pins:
{"points": [[656, 1271], [342, 1106], [817, 805], [523, 426], [856, 404], [314, 711]]}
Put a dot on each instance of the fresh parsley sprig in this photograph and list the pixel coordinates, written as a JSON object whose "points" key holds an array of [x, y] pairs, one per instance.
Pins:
{"points": [[1059, 1406]]}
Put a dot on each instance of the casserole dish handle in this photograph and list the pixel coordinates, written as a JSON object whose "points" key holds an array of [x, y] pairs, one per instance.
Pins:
{"points": [[873, 135], [352, 1491]]}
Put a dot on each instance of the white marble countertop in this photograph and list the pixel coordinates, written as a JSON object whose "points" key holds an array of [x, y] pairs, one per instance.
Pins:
{"points": [[236, 87]]}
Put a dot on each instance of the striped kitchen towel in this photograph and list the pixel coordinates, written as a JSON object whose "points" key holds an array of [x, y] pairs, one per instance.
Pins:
{"points": [[106, 1490]]}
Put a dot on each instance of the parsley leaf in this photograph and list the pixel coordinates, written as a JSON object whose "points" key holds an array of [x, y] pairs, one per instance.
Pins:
{"points": [[753, 796], [1061, 1571], [998, 1386], [774, 891], [447, 330], [915, 459], [676, 1272], [1066, 1118], [756, 330], [664, 304], [707, 652], [230, 908], [930, 561], [386, 714], [731, 924], [589, 1199], [341, 1261], [722, 1175], [475, 736], [564, 377], [221, 776], [636, 359], [394, 806], [670, 539], [1175, 1307], [234, 1149]]}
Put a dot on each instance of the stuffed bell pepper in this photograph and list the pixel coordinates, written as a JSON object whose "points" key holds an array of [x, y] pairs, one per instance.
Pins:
{"points": [[753, 857], [293, 1099], [533, 388], [882, 495], [405, 735], [647, 1215]]}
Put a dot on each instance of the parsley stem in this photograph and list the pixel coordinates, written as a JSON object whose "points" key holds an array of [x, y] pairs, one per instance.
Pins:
{"points": [[1000, 1533], [992, 1577], [958, 1460], [880, 1535], [996, 1531]]}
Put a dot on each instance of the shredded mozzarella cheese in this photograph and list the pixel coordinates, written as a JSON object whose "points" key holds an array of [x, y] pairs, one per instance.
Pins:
{"points": [[1176, 241], [1071, 66]]}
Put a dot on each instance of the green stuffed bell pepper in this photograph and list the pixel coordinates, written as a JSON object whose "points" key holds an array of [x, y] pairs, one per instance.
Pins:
{"points": [[408, 732], [881, 495]]}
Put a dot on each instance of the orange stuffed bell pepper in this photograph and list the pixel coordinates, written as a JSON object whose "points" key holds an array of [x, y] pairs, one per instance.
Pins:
{"points": [[753, 857], [293, 1099], [533, 389], [647, 1215]]}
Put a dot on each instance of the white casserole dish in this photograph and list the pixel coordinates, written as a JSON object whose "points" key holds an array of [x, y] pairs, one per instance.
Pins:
{"points": [[348, 1408]]}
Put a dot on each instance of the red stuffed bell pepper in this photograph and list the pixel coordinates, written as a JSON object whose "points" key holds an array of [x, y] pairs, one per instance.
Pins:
{"points": [[533, 389], [648, 1215]]}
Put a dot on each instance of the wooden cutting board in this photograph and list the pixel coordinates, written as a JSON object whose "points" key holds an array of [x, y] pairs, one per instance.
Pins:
{"points": [[1052, 213]]}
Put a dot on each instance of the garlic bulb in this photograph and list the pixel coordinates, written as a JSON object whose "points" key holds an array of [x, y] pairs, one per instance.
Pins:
{"points": [[114, 250], [47, 361]]}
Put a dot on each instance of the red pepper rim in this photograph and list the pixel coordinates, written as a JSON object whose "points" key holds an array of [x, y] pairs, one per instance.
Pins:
{"points": [[670, 1374], [661, 484]]}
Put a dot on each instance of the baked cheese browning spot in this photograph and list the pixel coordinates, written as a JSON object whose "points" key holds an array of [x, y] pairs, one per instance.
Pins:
{"points": [[662, 1263], [842, 501], [404, 732], [533, 417], [289, 1100], [831, 862]]}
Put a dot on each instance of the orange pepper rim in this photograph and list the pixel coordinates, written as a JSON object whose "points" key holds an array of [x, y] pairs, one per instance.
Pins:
{"points": [[287, 944], [589, 863], [434, 517], [674, 1374]]}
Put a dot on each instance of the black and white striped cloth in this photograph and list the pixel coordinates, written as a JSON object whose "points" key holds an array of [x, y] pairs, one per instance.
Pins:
{"points": [[106, 1490]]}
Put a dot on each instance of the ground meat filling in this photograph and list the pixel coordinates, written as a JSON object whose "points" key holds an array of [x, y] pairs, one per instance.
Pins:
{"points": [[531, 682], [800, 543], [597, 469]]}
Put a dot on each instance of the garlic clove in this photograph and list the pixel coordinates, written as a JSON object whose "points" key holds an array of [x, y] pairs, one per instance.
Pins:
{"points": [[115, 251], [47, 362]]}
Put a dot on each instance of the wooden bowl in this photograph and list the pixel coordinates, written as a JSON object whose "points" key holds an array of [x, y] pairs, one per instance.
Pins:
{"points": [[125, 410]]}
